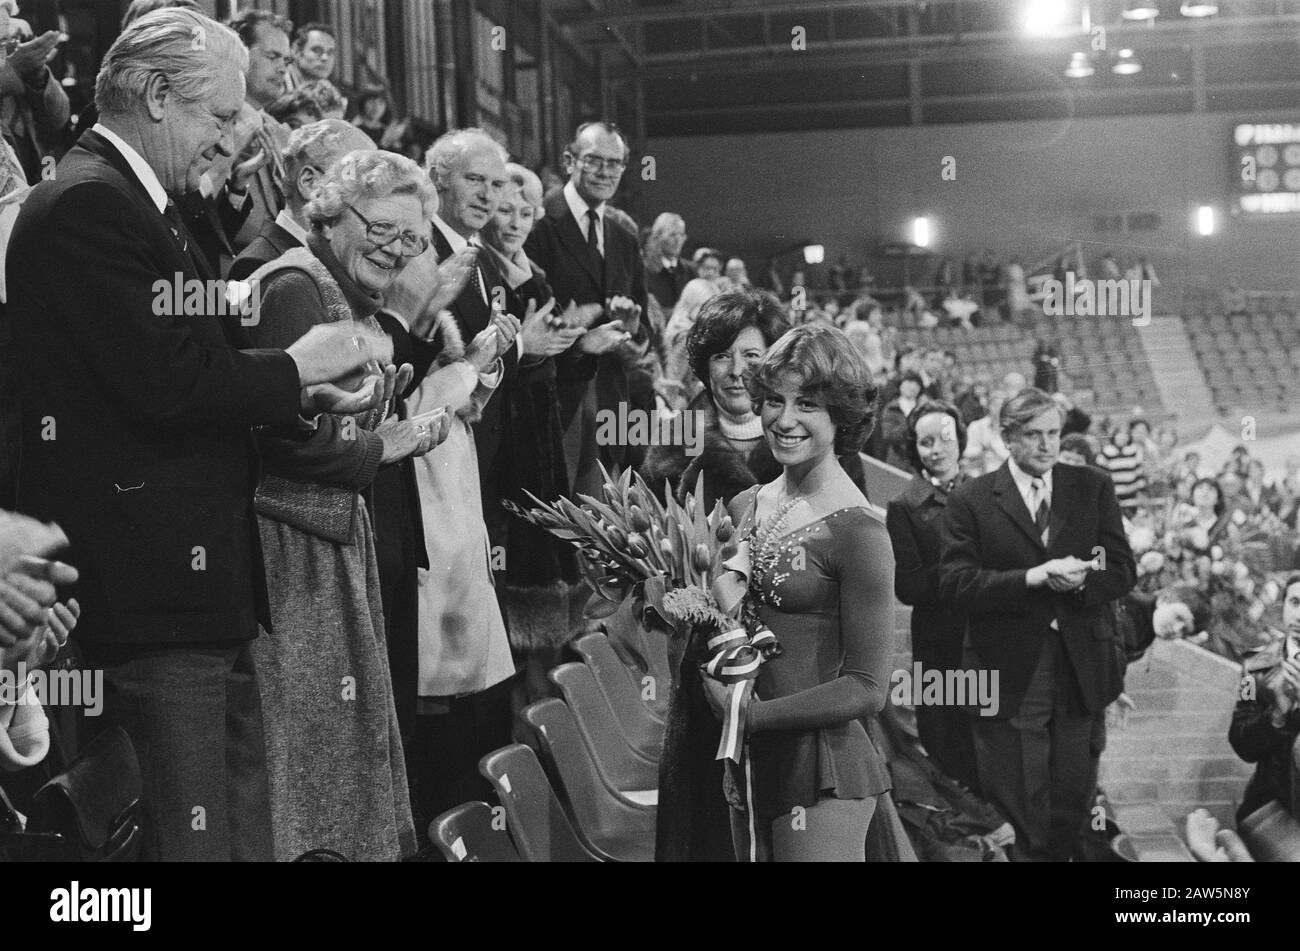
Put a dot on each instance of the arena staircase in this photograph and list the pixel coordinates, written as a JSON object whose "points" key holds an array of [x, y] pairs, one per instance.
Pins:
{"points": [[1174, 756], [1177, 371]]}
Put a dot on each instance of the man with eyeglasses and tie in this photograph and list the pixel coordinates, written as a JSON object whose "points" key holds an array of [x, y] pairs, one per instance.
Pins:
{"points": [[589, 259], [1034, 553]]}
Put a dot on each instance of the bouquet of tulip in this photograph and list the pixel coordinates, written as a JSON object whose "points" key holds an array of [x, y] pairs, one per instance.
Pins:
{"points": [[688, 565], [1234, 571], [628, 539]]}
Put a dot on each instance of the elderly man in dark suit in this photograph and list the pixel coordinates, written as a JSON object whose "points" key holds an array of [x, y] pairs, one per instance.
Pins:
{"points": [[589, 259], [312, 149], [1034, 552], [136, 428]]}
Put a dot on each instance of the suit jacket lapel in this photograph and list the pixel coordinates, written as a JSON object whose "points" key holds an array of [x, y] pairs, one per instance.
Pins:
{"points": [[1008, 496], [571, 236], [468, 307], [1063, 503]]}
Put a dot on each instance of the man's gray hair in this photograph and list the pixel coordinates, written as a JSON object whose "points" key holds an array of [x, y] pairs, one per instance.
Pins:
{"points": [[319, 145], [186, 47], [666, 221], [445, 154], [1023, 408], [370, 174]]}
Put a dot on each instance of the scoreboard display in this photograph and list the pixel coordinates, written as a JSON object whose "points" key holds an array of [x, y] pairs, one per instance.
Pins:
{"points": [[1266, 168]]}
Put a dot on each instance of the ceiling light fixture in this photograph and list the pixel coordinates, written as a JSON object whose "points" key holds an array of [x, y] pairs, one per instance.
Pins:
{"points": [[1080, 66], [1192, 9], [1126, 65], [1141, 10]]}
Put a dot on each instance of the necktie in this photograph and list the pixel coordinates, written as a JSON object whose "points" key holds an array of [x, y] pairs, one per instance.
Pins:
{"points": [[1043, 513], [177, 225], [593, 233], [475, 276]]}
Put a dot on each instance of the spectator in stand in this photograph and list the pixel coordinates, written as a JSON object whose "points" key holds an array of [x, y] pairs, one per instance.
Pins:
{"points": [[973, 400], [1076, 420], [312, 150], [1266, 720], [295, 109], [33, 106], [934, 374], [1013, 383], [666, 273], [327, 97], [1231, 484], [936, 438], [1047, 365], [245, 188], [1238, 461], [374, 117], [589, 259], [314, 54], [737, 273], [984, 445], [869, 345], [1077, 450], [1257, 498], [1109, 267], [960, 310], [1120, 458], [970, 273], [1234, 300], [1287, 491], [1210, 513], [1018, 305], [893, 423], [697, 292], [1148, 450]]}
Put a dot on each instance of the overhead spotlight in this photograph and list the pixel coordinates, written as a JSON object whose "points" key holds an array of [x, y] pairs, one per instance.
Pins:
{"points": [[1194, 9], [921, 231], [1141, 10], [1043, 17], [814, 254], [1205, 221], [1080, 66], [1127, 64]]}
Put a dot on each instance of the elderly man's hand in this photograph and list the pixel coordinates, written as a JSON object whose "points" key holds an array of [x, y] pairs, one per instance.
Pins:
{"points": [[603, 339], [22, 537], [329, 353]]}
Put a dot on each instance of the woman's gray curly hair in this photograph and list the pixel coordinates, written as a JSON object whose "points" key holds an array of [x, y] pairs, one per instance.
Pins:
{"points": [[369, 174]]}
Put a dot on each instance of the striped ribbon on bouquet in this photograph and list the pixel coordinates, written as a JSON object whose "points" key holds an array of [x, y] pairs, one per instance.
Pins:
{"points": [[734, 659]]}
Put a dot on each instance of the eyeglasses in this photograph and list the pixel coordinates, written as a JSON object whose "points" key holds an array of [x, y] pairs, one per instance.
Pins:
{"points": [[594, 163], [383, 233]]}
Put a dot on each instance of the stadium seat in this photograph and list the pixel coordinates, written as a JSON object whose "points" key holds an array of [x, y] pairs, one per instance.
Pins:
{"points": [[622, 767], [537, 822], [641, 727], [612, 827], [469, 833]]}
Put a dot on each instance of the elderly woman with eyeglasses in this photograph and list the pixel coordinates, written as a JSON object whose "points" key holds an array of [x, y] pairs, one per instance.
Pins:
{"points": [[334, 753]]}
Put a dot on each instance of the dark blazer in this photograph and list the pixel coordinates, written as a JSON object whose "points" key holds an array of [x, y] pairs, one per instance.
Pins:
{"points": [[472, 315], [914, 520], [557, 246], [989, 542], [150, 469], [667, 284], [213, 222], [272, 242]]}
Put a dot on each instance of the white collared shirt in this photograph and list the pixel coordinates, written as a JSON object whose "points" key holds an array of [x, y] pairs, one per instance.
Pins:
{"points": [[290, 224], [148, 178], [579, 208], [458, 243], [1025, 485]]}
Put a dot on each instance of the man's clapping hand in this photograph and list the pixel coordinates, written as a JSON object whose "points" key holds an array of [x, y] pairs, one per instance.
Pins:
{"points": [[29, 58], [491, 342], [426, 287], [603, 339], [625, 311], [330, 352], [544, 337]]}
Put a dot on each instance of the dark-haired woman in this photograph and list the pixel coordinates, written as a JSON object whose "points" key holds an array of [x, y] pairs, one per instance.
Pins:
{"points": [[821, 578], [936, 438], [1265, 724], [730, 337], [893, 421]]}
